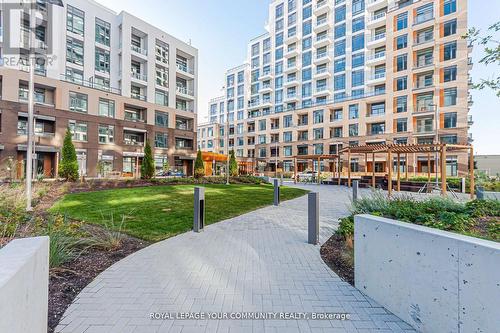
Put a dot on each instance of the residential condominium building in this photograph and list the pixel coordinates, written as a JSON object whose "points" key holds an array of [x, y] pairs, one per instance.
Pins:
{"points": [[113, 79], [335, 73]]}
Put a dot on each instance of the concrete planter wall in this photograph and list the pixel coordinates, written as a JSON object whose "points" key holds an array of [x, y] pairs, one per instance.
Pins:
{"points": [[24, 281], [434, 280]]}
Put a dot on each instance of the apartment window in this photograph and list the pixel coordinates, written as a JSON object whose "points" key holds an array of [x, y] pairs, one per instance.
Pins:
{"points": [[358, 42], [358, 78], [287, 136], [74, 75], [450, 6], [101, 82], [74, 51], [161, 119], [255, 49], [358, 6], [78, 130], [306, 12], [101, 60], [318, 116], [337, 132], [401, 83], [75, 20], [425, 13], [450, 50], [402, 42], [280, 24], [337, 114], [402, 21], [358, 24], [450, 28], [102, 32], [450, 96], [450, 120], [318, 148], [340, 13], [339, 65], [340, 31], [161, 53], [262, 125], [106, 108], [450, 74], [162, 76], [78, 102], [402, 62], [401, 104], [339, 48], [401, 125], [358, 60], [353, 130], [354, 111], [339, 82], [377, 128], [279, 10], [318, 133], [449, 139], [106, 134], [377, 109], [161, 98], [306, 28], [161, 140]]}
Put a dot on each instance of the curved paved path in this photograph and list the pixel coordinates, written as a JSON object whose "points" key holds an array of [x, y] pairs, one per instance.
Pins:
{"points": [[257, 262]]}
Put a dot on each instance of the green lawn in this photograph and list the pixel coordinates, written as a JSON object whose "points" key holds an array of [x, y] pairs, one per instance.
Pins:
{"points": [[156, 213]]}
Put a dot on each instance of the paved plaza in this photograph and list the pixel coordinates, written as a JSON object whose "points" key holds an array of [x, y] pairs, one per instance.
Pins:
{"points": [[257, 262]]}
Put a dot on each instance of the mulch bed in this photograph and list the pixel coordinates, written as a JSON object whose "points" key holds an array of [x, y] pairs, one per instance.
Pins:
{"points": [[339, 257], [66, 282]]}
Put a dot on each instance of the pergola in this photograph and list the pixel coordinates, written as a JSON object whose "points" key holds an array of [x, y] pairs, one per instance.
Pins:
{"points": [[404, 149], [318, 158]]}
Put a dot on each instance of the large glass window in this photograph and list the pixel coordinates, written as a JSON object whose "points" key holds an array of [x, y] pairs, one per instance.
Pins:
{"points": [[358, 60], [75, 20], [161, 119], [402, 41], [106, 108], [450, 120], [106, 134], [450, 6], [450, 50], [358, 78], [78, 102], [354, 111], [340, 14], [78, 129], [358, 24], [358, 42], [450, 74], [102, 60], [161, 140], [74, 51], [102, 32], [402, 21], [450, 96], [450, 28]]}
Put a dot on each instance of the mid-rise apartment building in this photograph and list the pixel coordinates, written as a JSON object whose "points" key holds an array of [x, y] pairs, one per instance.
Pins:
{"points": [[115, 80], [329, 74]]}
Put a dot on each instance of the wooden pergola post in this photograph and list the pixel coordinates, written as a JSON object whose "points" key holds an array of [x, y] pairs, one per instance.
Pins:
{"points": [[471, 173], [319, 170], [373, 170], [295, 170], [389, 163], [366, 163], [429, 167], [443, 170], [406, 167], [339, 167], [349, 168], [399, 172]]}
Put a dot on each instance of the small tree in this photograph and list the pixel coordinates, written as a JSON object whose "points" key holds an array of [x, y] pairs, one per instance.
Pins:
{"points": [[166, 166], [199, 166], [68, 168], [233, 165], [148, 163]]}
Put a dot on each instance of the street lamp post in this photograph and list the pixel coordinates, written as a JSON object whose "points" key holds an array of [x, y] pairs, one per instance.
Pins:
{"points": [[227, 150], [30, 153]]}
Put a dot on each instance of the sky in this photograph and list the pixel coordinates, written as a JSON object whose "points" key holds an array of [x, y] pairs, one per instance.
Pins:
{"points": [[221, 29]]}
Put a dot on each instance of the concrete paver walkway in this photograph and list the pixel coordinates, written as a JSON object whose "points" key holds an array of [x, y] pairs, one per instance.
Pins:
{"points": [[257, 262]]}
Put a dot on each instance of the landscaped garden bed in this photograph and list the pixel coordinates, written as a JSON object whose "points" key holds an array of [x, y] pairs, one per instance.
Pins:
{"points": [[478, 218], [91, 228]]}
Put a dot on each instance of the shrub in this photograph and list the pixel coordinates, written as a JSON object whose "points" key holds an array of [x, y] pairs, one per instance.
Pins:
{"points": [[483, 208], [110, 237], [233, 165], [148, 163], [68, 168], [199, 166]]}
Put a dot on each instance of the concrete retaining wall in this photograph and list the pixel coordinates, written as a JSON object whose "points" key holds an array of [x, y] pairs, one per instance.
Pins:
{"points": [[24, 280], [434, 280]]}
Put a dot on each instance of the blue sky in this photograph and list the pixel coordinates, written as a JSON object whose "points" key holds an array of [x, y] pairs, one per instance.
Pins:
{"points": [[220, 29]]}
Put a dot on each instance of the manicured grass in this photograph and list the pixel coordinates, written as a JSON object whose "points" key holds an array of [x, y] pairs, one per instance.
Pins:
{"points": [[159, 212]]}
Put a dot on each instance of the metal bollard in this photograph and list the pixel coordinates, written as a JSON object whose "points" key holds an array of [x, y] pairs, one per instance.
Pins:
{"points": [[355, 187], [463, 185], [276, 193], [313, 218], [199, 209]]}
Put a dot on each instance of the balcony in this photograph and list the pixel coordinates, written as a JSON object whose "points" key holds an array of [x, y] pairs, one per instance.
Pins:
{"points": [[139, 96], [424, 17], [377, 40], [323, 24], [424, 63], [185, 70], [425, 129], [185, 91], [322, 58], [291, 68], [139, 50], [373, 5], [322, 73], [292, 97], [139, 76], [321, 91], [254, 104], [291, 53], [424, 108], [376, 59], [321, 40], [265, 89], [376, 20], [376, 78], [290, 39], [470, 121], [290, 82], [322, 7], [266, 75], [424, 38], [423, 84]]}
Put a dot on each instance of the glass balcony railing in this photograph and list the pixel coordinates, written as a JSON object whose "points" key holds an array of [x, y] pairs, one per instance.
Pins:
{"points": [[139, 50], [184, 90], [184, 68]]}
